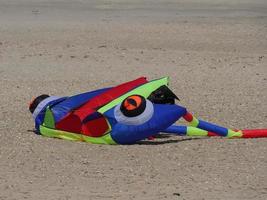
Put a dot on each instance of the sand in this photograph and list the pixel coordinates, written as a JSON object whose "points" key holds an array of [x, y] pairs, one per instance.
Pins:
{"points": [[216, 56]]}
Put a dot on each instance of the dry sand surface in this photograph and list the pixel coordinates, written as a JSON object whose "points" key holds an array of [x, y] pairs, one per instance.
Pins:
{"points": [[216, 55]]}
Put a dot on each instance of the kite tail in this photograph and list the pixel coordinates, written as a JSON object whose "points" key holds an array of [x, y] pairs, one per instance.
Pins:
{"points": [[254, 133], [198, 126], [193, 131]]}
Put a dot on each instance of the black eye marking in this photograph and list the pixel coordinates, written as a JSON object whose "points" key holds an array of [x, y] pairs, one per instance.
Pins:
{"points": [[133, 106], [163, 95]]}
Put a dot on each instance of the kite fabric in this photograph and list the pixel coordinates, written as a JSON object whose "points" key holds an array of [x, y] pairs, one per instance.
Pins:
{"points": [[124, 114]]}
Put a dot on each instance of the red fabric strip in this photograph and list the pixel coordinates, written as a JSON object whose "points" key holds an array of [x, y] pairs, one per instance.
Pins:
{"points": [[257, 133], [188, 117], [107, 97]]}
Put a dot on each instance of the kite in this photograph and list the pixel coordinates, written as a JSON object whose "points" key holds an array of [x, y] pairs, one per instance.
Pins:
{"points": [[124, 114]]}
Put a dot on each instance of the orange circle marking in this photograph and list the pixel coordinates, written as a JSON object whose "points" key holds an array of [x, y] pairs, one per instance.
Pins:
{"points": [[127, 104]]}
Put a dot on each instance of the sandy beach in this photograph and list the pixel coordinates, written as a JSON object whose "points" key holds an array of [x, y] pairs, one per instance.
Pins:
{"points": [[215, 53]]}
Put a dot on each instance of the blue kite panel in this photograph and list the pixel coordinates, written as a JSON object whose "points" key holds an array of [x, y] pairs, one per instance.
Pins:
{"points": [[178, 130], [213, 128], [62, 109], [163, 117]]}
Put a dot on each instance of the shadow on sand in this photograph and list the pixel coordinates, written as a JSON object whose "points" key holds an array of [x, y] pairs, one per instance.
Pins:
{"points": [[156, 142]]}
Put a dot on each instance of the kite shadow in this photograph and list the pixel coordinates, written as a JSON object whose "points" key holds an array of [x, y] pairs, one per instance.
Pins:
{"points": [[33, 131], [154, 142]]}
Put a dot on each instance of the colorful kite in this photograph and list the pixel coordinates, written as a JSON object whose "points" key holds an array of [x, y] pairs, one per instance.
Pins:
{"points": [[124, 114]]}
